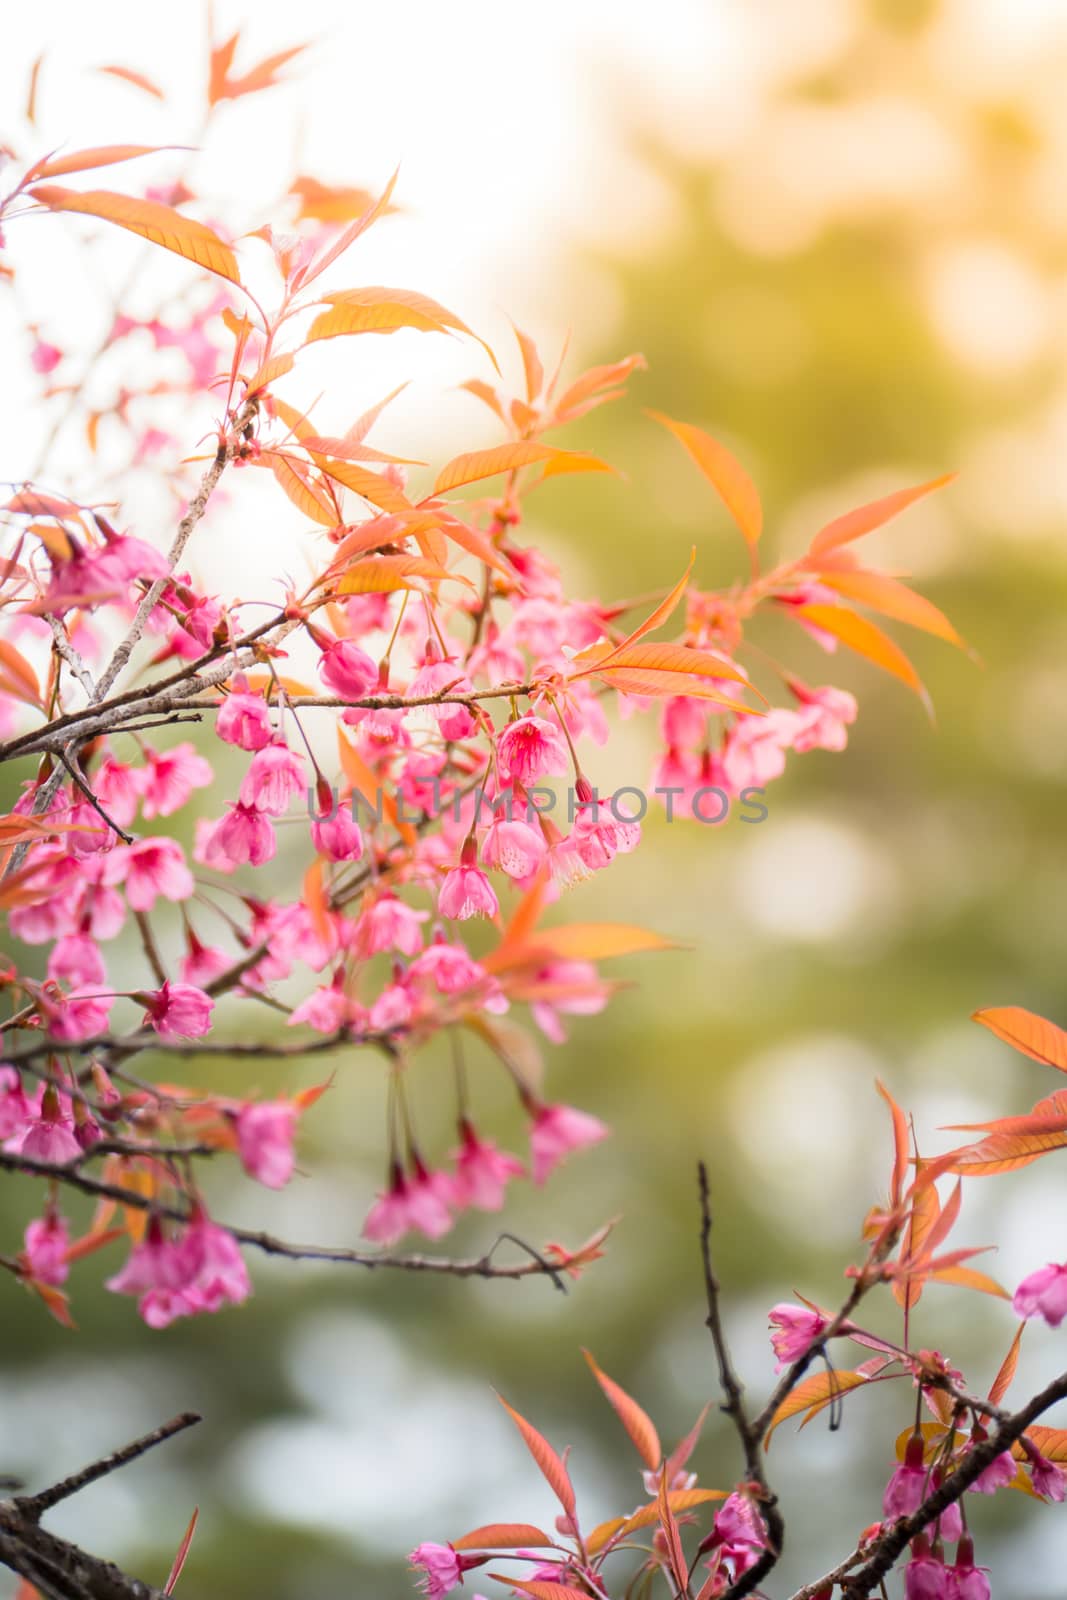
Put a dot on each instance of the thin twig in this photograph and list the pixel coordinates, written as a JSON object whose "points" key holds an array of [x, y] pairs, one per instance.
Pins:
{"points": [[34, 1506]]}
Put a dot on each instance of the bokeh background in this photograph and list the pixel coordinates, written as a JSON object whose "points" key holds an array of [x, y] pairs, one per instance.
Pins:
{"points": [[837, 229]]}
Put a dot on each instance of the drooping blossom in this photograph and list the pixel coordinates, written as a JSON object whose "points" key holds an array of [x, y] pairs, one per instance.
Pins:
{"points": [[556, 1132], [153, 869], [823, 717], [243, 719], [796, 1329], [925, 1576], [348, 670], [482, 1171], [466, 892], [47, 1240], [453, 720], [170, 778], [179, 1011], [530, 748], [514, 848], [1043, 1294], [275, 775], [966, 1581], [265, 1132], [442, 1568], [339, 837], [243, 836]]}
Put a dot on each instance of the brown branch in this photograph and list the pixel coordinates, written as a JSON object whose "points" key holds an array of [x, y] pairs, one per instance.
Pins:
{"points": [[57, 1569], [750, 1434], [482, 1266]]}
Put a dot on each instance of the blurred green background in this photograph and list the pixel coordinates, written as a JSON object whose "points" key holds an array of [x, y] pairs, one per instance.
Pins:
{"points": [[867, 288]]}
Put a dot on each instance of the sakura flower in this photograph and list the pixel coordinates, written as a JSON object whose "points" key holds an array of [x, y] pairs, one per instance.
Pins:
{"points": [[16, 1109], [1043, 1293], [155, 1263], [45, 357], [823, 717], [243, 835], [203, 963], [218, 1272], [391, 924], [50, 1136], [428, 1199], [435, 677], [90, 832], [275, 775], [999, 1473], [738, 1533], [482, 1171], [118, 789], [966, 1581], [557, 1131], [387, 1219], [796, 1329], [754, 752], [327, 1009], [76, 959], [530, 748], [926, 1577], [47, 1240], [1047, 1478], [265, 1134], [179, 1011], [514, 848], [77, 1015], [466, 892], [347, 670], [170, 778], [243, 719], [907, 1485], [338, 838], [154, 868], [571, 987], [450, 967], [443, 1568]]}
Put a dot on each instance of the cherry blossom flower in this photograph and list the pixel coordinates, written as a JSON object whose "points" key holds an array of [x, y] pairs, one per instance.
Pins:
{"points": [[797, 1327], [47, 1241], [557, 1131], [242, 836], [275, 775], [347, 670], [179, 1011], [339, 838], [154, 868], [514, 848], [243, 719], [466, 892], [530, 748], [443, 1568], [926, 1577], [966, 1581], [170, 778], [482, 1171], [1044, 1294], [453, 720], [265, 1133], [823, 718]]}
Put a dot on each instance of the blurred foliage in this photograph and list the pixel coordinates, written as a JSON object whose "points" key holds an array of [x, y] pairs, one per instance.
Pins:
{"points": [[891, 891]]}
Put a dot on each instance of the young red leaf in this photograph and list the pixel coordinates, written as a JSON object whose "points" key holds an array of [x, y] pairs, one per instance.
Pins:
{"points": [[105, 155], [1035, 1036], [551, 1465], [541, 1589], [636, 1422], [183, 1551], [675, 1553], [477, 465], [380, 310], [149, 219], [812, 1395], [854, 524], [866, 639], [137, 79], [502, 1536], [892, 599], [1002, 1381], [725, 474]]}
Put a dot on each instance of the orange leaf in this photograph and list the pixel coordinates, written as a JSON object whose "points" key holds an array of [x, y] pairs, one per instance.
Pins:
{"points": [[501, 1536], [551, 1465], [675, 1553], [315, 900], [866, 639], [1052, 1443], [659, 616], [1002, 1381], [619, 1527], [17, 676], [725, 474], [322, 202], [476, 465], [371, 486], [351, 450], [1035, 1036], [892, 599], [183, 1551], [531, 364], [149, 219], [276, 367], [900, 1143], [647, 683], [812, 1395], [105, 155], [591, 388], [854, 524], [138, 80], [577, 941], [636, 1422], [383, 574], [350, 235], [539, 1589], [295, 480], [381, 310], [649, 657], [55, 1300], [969, 1278], [1005, 1152]]}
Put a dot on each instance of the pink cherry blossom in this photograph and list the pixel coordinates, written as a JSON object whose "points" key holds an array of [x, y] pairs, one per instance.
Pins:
{"points": [[558, 1131], [348, 670], [796, 1328], [47, 1241], [389, 923], [482, 1171], [179, 1011], [1044, 1294], [926, 1578], [999, 1473], [570, 987], [77, 1015], [155, 868], [339, 838], [823, 717], [274, 777], [45, 357], [118, 789], [265, 1133], [454, 721], [754, 753], [243, 719], [442, 1569], [76, 959], [242, 836], [1047, 1478], [530, 748], [514, 848], [466, 892], [170, 778], [966, 1581]]}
